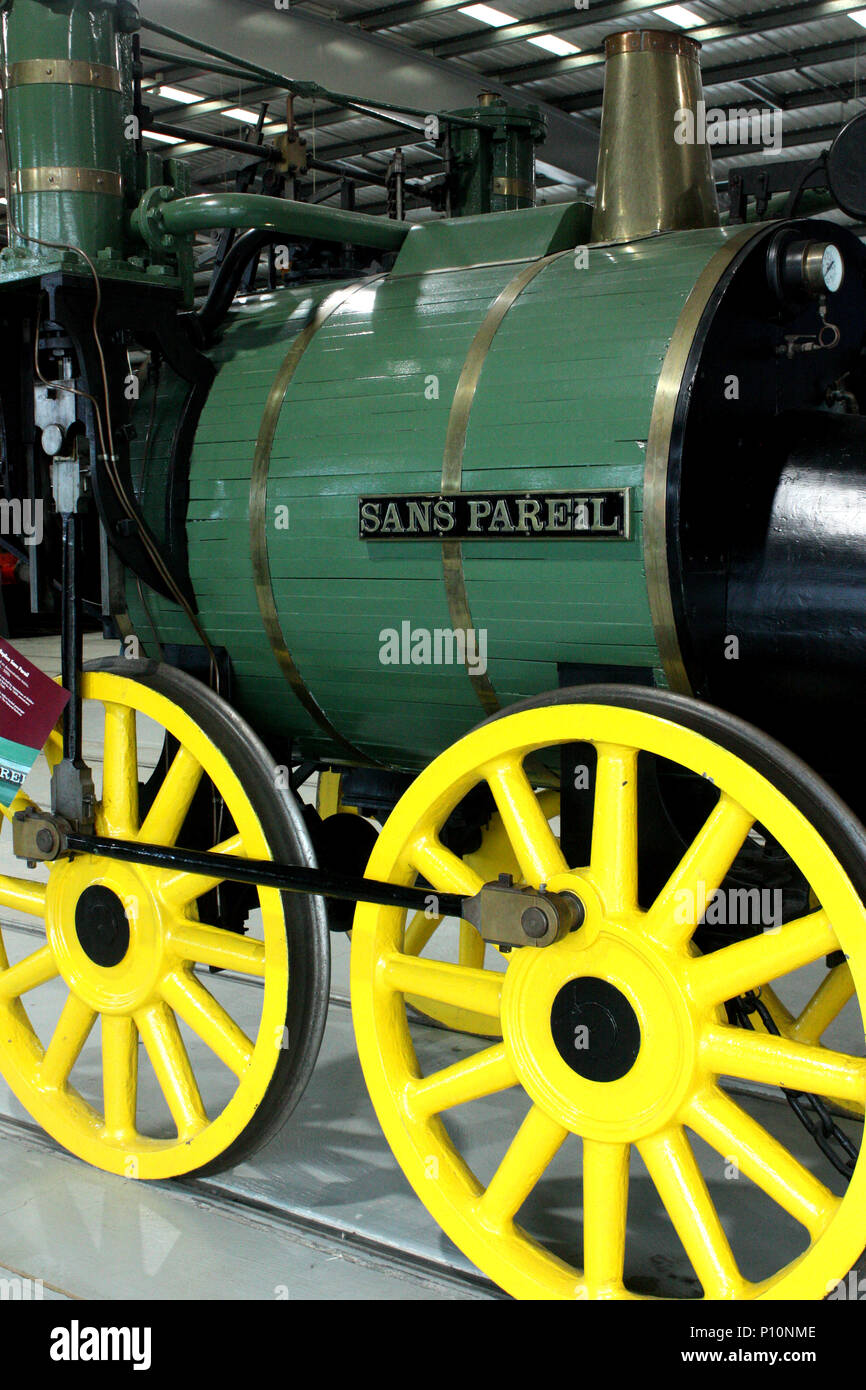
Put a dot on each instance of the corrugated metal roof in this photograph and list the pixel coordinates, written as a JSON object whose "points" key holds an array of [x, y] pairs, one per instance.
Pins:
{"points": [[808, 57]]}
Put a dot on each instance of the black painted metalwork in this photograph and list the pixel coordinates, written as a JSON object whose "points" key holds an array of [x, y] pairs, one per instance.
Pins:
{"points": [[266, 874], [766, 500]]}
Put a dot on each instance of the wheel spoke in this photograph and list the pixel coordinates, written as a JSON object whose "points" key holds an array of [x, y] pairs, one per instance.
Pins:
{"points": [[535, 846], [419, 932], [735, 1135], [780, 1062], [531, 1152], [168, 1055], [605, 1205], [197, 1007], [614, 827], [180, 889], [28, 974], [675, 913], [170, 808], [681, 1186], [480, 991], [120, 773], [779, 1012], [472, 947], [748, 964], [21, 895], [206, 945], [444, 871], [826, 1004], [483, 1074], [119, 1074], [72, 1031]]}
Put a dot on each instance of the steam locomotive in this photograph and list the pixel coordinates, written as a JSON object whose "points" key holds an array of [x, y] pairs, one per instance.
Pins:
{"points": [[541, 543]]}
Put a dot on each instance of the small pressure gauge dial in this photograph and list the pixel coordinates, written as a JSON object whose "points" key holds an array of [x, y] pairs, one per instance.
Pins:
{"points": [[800, 268], [818, 266], [832, 268]]}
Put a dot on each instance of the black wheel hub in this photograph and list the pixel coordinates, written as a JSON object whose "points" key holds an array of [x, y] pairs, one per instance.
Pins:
{"points": [[102, 926], [595, 1029]]}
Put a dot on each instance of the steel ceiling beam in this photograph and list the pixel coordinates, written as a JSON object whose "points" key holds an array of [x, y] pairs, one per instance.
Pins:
{"points": [[374, 66], [389, 16], [751, 67], [821, 96], [479, 40], [215, 106], [811, 135], [372, 145], [758, 22]]}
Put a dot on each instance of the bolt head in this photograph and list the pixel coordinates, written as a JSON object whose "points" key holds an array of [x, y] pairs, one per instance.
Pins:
{"points": [[534, 923]]}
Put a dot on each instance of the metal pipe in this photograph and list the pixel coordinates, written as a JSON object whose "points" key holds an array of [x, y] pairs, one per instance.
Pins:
{"points": [[219, 142], [265, 873], [299, 88], [220, 54], [72, 639], [224, 285], [346, 171], [162, 55], [209, 211]]}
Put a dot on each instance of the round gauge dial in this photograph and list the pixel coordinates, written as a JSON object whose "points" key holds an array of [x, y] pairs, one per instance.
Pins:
{"points": [[832, 268]]}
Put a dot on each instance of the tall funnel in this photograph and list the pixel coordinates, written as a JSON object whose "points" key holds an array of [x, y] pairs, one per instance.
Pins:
{"points": [[648, 181]]}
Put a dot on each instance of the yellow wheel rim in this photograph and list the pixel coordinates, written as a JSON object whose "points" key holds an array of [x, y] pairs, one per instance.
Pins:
{"points": [[155, 987], [677, 995]]}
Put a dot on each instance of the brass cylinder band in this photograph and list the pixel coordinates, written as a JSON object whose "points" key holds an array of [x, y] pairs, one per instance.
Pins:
{"points": [[651, 41], [64, 72], [512, 188], [452, 462], [48, 179], [259, 518], [667, 396]]}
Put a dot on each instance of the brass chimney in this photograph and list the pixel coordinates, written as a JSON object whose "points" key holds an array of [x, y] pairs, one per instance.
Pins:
{"points": [[653, 174]]}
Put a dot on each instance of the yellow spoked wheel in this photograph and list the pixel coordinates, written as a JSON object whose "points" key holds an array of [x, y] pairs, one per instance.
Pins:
{"points": [[816, 1018], [618, 1035], [448, 940], [114, 1034]]}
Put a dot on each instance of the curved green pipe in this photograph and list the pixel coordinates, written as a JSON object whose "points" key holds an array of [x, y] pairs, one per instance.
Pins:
{"points": [[209, 211]]}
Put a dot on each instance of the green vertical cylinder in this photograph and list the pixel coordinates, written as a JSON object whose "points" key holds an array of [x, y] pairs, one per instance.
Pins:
{"points": [[64, 116], [493, 161]]}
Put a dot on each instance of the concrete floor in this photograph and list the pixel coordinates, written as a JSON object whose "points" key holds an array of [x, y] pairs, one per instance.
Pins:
{"points": [[324, 1212]]}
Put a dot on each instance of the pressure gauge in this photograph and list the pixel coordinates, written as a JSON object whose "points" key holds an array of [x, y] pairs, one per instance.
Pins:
{"points": [[832, 268], [799, 268], [819, 266]]}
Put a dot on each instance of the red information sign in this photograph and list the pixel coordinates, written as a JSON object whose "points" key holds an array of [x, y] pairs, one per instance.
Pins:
{"points": [[30, 706]]}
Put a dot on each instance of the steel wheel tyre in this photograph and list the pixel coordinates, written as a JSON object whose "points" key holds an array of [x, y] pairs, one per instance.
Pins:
{"points": [[675, 995], [126, 963]]}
